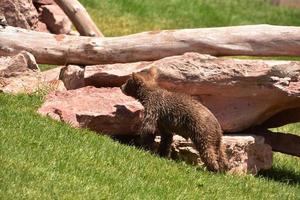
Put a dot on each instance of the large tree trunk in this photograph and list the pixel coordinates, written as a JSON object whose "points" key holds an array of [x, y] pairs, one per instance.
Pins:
{"points": [[258, 40], [79, 17]]}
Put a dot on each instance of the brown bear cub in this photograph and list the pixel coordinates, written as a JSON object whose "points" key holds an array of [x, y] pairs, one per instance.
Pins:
{"points": [[173, 113]]}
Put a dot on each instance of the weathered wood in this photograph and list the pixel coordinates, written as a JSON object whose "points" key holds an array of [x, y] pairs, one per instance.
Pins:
{"points": [[258, 40], [79, 17], [282, 142]]}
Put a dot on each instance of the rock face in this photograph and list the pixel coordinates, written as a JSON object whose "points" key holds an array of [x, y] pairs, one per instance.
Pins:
{"points": [[20, 74], [112, 75], [56, 20], [72, 76], [241, 93], [104, 110], [21, 13], [39, 15], [246, 153]]}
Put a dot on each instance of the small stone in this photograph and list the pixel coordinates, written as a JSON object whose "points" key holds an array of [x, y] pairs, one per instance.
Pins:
{"points": [[72, 76]]}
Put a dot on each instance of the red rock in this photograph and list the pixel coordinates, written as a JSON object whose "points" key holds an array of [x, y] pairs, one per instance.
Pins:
{"points": [[51, 74], [44, 2], [111, 75], [18, 64], [72, 76], [56, 20], [19, 13], [20, 74], [104, 110], [247, 154], [241, 93], [41, 27]]}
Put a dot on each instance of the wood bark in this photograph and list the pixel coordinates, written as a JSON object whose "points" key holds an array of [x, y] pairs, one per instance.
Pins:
{"points": [[79, 17], [254, 40]]}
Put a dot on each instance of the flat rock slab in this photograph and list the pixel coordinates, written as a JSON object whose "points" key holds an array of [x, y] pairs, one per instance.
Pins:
{"points": [[241, 93], [20, 74], [247, 154], [104, 110]]}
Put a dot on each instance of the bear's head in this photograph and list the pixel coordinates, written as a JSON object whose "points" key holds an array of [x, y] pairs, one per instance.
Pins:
{"points": [[140, 81]]}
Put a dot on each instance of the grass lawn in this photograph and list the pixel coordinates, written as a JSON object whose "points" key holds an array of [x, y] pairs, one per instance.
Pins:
{"points": [[121, 17], [44, 159]]}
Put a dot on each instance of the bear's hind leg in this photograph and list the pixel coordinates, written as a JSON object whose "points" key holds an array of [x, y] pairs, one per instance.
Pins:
{"points": [[208, 154], [223, 160], [210, 159], [147, 142]]}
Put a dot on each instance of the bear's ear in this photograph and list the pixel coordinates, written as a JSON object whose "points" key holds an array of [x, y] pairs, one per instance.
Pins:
{"points": [[153, 72], [136, 77]]}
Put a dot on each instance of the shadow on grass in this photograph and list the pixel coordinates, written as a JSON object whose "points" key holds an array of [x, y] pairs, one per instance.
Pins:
{"points": [[281, 175]]}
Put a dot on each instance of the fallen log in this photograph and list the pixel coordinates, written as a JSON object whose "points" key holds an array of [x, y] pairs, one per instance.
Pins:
{"points": [[255, 40], [79, 17]]}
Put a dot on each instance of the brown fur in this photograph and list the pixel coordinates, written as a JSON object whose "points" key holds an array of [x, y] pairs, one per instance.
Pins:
{"points": [[173, 113]]}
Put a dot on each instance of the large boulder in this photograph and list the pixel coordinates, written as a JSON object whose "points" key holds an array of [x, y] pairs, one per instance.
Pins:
{"points": [[39, 15], [241, 93], [19, 13], [104, 110], [20, 74]]}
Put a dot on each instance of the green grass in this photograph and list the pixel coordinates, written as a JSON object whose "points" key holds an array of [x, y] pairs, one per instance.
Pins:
{"points": [[122, 17], [44, 159], [44, 67], [291, 128]]}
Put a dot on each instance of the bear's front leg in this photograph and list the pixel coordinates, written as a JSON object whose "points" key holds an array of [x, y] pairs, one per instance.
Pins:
{"points": [[147, 142], [147, 131], [165, 144]]}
